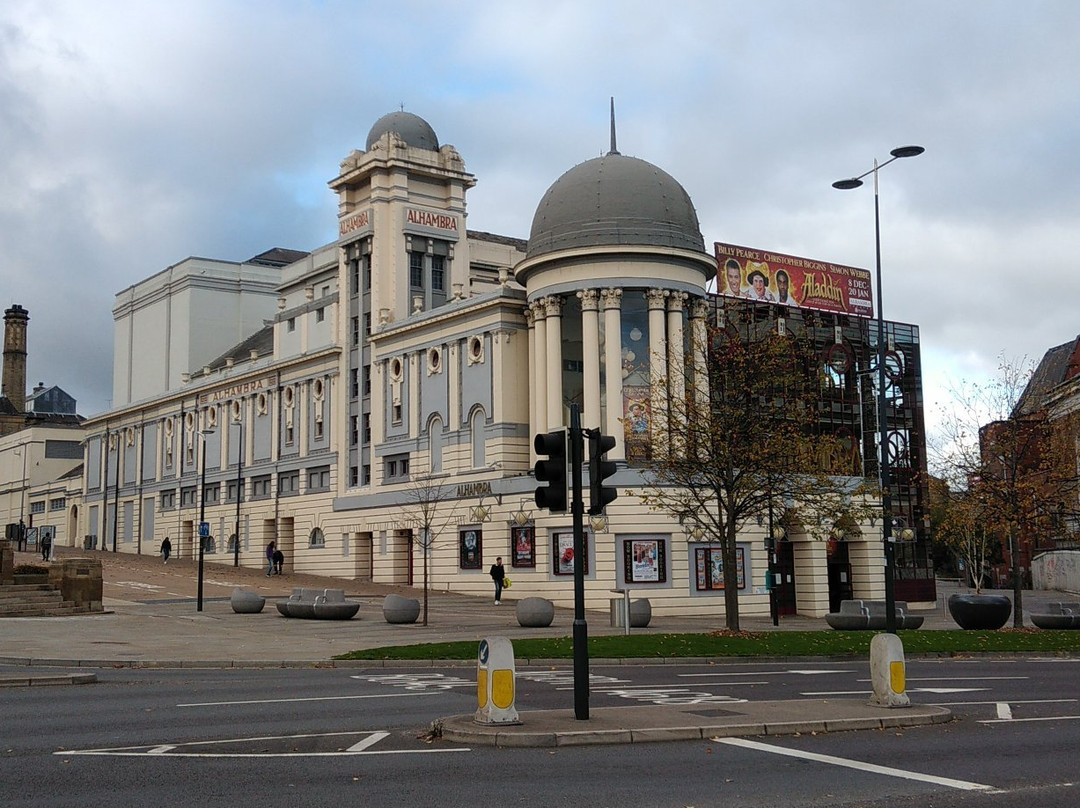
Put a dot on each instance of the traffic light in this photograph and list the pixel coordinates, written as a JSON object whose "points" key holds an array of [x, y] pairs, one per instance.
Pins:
{"points": [[552, 471], [599, 470]]}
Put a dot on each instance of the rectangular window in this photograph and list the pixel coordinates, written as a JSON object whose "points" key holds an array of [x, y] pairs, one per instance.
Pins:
{"points": [[320, 314], [212, 494], [354, 476], [37, 507], [318, 429], [366, 476], [291, 324], [416, 270], [319, 479], [288, 483], [397, 468], [471, 548], [438, 273], [188, 497], [367, 273], [644, 561], [57, 504], [709, 568], [367, 324], [354, 434], [354, 383], [290, 434], [260, 487], [231, 487], [367, 380], [395, 414], [355, 329], [168, 500], [367, 427]]}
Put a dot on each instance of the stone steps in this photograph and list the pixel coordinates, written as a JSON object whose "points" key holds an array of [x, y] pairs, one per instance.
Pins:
{"points": [[35, 600]]}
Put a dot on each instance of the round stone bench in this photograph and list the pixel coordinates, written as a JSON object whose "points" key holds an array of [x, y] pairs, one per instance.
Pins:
{"points": [[398, 609], [244, 601], [535, 612]]}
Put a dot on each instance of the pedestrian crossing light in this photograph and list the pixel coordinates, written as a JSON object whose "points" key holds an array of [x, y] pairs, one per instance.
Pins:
{"points": [[552, 470], [599, 470]]}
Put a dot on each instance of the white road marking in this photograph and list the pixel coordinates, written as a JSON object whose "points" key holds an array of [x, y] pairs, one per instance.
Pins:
{"points": [[676, 686], [360, 748], [1012, 720], [957, 678], [1014, 701], [938, 690], [1004, 711], [309, 698], [766, 673], [872, 768]]}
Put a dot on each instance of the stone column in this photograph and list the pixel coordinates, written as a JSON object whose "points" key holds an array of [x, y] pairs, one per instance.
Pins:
{"points": [[699, 347], [676, 354], [553, 308], [539, 377], [612, 300], [658, 372], [590, 346], [533, 386]]}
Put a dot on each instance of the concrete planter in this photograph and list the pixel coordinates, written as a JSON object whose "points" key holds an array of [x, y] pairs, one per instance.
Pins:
{"points": [[244, 601], [980, 612]]}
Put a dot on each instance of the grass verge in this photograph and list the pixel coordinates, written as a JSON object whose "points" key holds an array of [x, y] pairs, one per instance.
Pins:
{"points": [[747, 644]]}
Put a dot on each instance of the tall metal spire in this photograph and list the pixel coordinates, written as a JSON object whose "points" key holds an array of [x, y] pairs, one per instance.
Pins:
{"points": [[614, 150]]}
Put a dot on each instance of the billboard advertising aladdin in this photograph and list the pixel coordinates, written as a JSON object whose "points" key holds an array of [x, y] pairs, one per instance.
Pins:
{"points": [[770, 277]]}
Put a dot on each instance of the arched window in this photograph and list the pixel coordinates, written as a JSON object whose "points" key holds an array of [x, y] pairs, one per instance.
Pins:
{"points": [[435, 444], [478, 438], [317, 539]]}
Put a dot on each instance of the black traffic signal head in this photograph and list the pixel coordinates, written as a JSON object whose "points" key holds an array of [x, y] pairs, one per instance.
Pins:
{"points": [[551, 470], [599, 470]]}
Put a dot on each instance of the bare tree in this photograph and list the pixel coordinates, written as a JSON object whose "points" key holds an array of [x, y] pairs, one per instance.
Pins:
{"points": [[743, 439], [429, 516]]}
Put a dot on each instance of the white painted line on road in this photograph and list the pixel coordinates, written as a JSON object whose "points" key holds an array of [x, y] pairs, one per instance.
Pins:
{"points": [[958, 678], [372, 739], [1014, 701], [765, 673], [872, 768], [310, 698], [1004, 711], [937, 690], [1030, 720], [679, 686], [160, 750]]}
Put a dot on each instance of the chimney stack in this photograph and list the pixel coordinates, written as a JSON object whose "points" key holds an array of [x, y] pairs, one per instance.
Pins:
{"points": [[14, 379]]}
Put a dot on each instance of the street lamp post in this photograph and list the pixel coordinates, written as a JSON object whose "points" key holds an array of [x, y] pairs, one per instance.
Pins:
{"points": [[202, 516], [883, 430], [239, 491]]}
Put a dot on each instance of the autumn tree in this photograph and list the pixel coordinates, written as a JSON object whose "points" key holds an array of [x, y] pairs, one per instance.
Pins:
{"points": [[736, 436], [997, 446]]}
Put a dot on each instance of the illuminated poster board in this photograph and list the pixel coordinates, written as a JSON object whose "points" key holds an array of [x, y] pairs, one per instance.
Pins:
{"points": [[767, 277]]}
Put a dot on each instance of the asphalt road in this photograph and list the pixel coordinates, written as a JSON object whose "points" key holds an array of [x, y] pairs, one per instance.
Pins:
{"points": [[302, 737]]}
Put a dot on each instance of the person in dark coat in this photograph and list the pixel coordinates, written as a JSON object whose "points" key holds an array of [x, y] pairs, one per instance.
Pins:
{"points": [[279, 562], [498, 575], [166, 549]]}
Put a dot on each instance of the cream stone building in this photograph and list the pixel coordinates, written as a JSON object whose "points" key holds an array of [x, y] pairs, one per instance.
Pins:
{"points": [[320, 399]]}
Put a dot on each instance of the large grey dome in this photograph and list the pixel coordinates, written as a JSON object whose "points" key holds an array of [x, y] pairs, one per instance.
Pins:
{"points": [[615, 200], [413, 129]]}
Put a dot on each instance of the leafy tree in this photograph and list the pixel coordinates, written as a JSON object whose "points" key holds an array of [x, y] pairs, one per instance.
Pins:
{"points": [[742, 441], [959, 520]]}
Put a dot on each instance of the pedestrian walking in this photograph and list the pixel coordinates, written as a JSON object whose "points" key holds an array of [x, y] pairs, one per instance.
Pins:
{"points": [[498, 575], [46, 545], [270, 558], [166, 549], [279, 562]]}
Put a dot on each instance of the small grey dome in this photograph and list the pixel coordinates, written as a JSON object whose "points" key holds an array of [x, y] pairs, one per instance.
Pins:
{"points": [[615, 200], [413, 129]]}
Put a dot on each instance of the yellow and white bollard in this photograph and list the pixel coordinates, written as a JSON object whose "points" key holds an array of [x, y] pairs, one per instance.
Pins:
{"points": [[495, 682], [887, 671]]}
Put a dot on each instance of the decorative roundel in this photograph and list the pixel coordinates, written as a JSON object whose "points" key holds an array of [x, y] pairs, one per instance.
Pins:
{"points": [[395, 369], [211, 416], [262, 403], [169, 427], [235, 408], [434, 359], [287, 396], [476, 348], [189, 421], [317, 389]]}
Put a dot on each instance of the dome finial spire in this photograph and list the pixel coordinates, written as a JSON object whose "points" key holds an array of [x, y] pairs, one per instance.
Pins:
{"points": [[614, 150]]}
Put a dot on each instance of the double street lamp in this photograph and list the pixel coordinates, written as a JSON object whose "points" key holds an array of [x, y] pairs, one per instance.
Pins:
{"points": [[883, 429]]}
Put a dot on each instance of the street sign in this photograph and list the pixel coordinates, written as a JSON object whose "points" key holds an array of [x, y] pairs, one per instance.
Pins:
{"points": [[204, 530]]}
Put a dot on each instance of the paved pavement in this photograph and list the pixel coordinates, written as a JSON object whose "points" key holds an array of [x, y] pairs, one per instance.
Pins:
{"points": [[151, 621]]}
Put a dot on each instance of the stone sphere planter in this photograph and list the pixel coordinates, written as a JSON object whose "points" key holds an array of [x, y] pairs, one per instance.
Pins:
{"points": [[980, 612], [640, 613], [244, 601], [535, 612], [398, 609]]}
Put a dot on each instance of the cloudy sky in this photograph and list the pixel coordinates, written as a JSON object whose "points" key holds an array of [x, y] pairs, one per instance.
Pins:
{"points": [[135, 134]]}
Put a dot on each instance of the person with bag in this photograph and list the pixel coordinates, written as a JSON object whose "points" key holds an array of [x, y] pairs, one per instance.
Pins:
{"points": [[270, 558], [166, 549], [498, 575]]}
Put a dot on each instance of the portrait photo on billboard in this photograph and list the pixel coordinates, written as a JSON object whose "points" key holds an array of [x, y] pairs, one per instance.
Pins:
{"points": [[769, 277]]}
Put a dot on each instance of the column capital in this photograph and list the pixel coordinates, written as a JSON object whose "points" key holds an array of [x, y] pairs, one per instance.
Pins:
{"points": [[537, 310], [529, 316], [675, 301], [699, 309], [552, 306], [656, 298], [612, 298], [590, 299]]}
